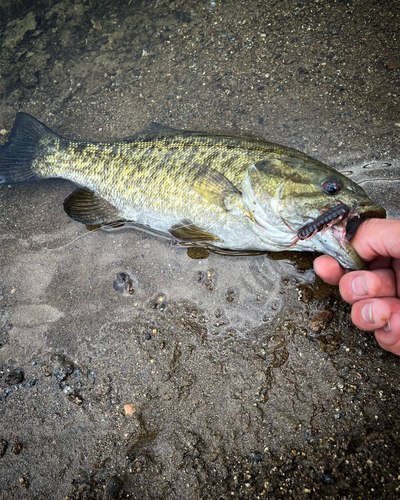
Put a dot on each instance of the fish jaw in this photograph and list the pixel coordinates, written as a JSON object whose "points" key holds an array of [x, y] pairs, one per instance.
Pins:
{"points": [[345, 230], [334, 242]]}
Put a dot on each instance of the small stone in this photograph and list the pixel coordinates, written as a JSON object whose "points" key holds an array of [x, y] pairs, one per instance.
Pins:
{"points": [[24, 482], [75, 398], [14, 377], [3, 447], [124, 284], [129, 410], [198, 253], [230, 295], [394, 64], [17, 448], [64, 371], [256, 457], [46, 370], [103, 389], [321, 321]]}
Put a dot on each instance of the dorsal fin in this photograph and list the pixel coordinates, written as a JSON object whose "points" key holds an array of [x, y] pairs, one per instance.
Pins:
{"points": [[152, 131]]}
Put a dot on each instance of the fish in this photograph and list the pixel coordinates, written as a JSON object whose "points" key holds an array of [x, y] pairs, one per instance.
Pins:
{"points": [[225, 193]]}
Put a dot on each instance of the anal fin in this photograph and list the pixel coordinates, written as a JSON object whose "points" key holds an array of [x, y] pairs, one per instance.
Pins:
{"points": [[84, 206], [187, 231]]}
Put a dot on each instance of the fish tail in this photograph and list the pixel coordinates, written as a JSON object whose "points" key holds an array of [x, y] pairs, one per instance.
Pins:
{"points": [[17, 155]]}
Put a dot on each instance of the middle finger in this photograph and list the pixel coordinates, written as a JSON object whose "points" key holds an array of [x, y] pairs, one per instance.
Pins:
{"points": [[359, 285]]}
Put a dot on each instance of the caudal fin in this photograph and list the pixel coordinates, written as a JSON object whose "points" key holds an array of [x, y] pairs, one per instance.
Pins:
{"points": [[17, 154]]}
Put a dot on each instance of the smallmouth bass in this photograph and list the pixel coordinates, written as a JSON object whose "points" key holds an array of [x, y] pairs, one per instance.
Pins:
{"points": [[215, 191]]}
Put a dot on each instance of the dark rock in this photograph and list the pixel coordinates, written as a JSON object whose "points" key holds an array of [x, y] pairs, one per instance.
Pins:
{"points": [[124, 284], [75, 398], [4, 394], [16, 448], [14, 377], [64, 371], [3, 447], [256, 457], [113, 489]]}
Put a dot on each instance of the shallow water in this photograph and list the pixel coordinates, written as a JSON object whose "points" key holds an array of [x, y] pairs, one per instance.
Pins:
{"points": [[246, 375]]}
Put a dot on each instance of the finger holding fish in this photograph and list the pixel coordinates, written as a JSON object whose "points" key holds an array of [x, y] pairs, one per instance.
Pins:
{"points": [[388, 337], [374, 294], [382, 316]]}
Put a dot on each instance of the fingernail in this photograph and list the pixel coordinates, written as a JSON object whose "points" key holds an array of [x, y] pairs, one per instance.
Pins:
{"points": [[366, 313], [359, 286], [387, 327]]}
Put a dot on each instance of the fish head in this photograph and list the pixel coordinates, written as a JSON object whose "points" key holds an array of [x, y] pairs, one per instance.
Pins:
{"points": [[283, 194]]}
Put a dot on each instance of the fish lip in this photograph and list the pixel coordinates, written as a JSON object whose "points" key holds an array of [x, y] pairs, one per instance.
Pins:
{"points": [[360, 214], [343, 231]]}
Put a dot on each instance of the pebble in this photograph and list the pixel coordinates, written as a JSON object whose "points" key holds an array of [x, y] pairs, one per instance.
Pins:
{"points": [[129, 410], [17, 448], [14, 377], [63, 372], [46, 370], [256, 457], [75, 398], [198, 253], [3, 447]]}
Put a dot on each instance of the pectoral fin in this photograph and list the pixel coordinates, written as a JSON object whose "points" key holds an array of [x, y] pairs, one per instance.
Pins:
{"points": [[187, 231], [84, 206], [215, 188]]}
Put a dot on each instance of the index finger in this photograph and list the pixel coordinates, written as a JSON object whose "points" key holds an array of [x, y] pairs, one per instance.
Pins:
{"points": [[377, 237], [328, 269]]}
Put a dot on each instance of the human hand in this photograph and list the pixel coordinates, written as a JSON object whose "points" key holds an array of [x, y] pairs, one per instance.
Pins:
{"points": [[374, 294]]}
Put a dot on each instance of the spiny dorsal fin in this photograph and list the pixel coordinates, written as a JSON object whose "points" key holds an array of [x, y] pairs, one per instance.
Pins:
{"points": [[84, 206], [152, 131], [187, 231], [215, 187], [157, 127]]}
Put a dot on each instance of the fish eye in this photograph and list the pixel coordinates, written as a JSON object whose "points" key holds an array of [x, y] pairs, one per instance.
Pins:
{"points": [[331, 185]]}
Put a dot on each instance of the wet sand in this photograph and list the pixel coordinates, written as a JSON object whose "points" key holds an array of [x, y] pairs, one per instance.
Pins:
{"points": [[222, 377]]}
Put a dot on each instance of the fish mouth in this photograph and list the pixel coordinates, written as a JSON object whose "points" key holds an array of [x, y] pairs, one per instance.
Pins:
{"points": [[336, 241], [356, 217], [355, 221], [352, 225]]}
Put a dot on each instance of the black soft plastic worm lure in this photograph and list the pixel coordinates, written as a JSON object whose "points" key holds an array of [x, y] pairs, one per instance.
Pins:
{"points": [[324, 221]]}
